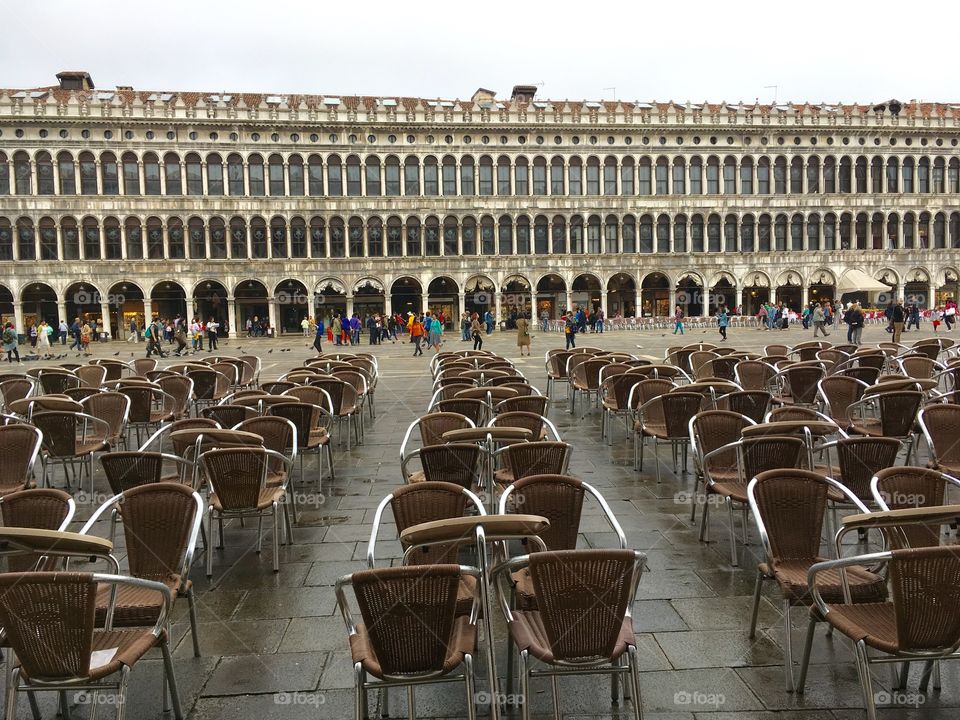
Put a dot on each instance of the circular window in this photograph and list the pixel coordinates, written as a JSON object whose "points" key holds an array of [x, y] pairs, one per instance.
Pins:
{"points": [[893, 141], [234, 136], [679, 140], [813, 141], [430, 139], [662, 140], [485, 139], [829, 141], [522, 139], [610, 140], [371, 138], [314, 137], [503, 139], [557, 139], [467, 139], [923, 141], [85, 134], [876, 141], [411, 139], [193, 135], [747, 140], [295, 137], [576, 139], [540, 140], [171, 135], [275, 137], [43, 133], [729, 140], [628, 140], [214, 136], [954, 142], [909, 141], [593, 139], [939, 142], [779, 141], [255, 137], [861, 141], [696, 139], [64, 133], [19, 133], [446, 138], [763, 140], [645, 140], [713, 140], [333, 138], [149, 134], [846, 141], [352, 139]]}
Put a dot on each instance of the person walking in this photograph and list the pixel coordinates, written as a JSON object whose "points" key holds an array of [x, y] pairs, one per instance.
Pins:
{"points": [[435, 333], [337, 326], [678, 320], [935, 317], [897, 318], [465, 326], [180, 337], [848, 319], [213, 328], [75, 335], [64, 329], [544, 321], [10, 342], [819, 321], [305, 326], [723, 320], [523, 334], [599, 322], [913, 317], [950, 314], [43, 340], [318, 337], [416, 334], [132, 337], [570, 329], [476, 330], [32, 334], [85, 332]]}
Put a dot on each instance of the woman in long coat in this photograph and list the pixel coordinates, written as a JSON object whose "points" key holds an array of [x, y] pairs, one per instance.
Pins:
{"points": [[523, 333]]}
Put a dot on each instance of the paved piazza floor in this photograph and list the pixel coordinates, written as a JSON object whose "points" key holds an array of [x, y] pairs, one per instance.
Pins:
{"points": [[273, 647]]}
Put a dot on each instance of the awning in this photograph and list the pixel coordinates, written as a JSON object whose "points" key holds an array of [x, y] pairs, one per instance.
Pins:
{"points": [[859, 281]]}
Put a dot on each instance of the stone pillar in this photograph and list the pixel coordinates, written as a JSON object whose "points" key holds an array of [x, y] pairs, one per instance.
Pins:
{"points": [[569, 300], [603, 305], [105, 323], [232, 317], [190, 309], [147, 311], [804, 297], [425, 299], [498, 309], [18, 318], [286, 179], [349, 313], [61, 311], [56, 179], [462, 299], [673, 299], [140, 178], [931, 295], [99, 178], [272, 315]]}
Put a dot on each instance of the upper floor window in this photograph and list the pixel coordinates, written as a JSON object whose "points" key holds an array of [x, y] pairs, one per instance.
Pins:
{"points": [[214, 175], [194, 175], [235, 175], [131, 174], [255, 173], [45, 185], [171, 169], [275, 170], [88, 174]]}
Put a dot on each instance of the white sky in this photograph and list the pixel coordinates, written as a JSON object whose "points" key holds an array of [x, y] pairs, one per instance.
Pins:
{"points": [[816, 50]]}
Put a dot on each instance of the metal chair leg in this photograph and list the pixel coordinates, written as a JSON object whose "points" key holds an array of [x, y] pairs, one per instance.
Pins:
{"points": [[787, 647], [756, 605], [807, 647]]}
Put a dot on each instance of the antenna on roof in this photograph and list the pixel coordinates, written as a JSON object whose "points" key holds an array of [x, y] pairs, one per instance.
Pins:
{"points": [[774, 88], [614, 91]]}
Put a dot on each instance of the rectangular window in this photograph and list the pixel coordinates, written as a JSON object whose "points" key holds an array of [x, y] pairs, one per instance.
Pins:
{"points": [[278, 242], [576, 238], [45, 178], [892, 178], [151, 178], [610, 238], [505, 240], [763, 179], [680, 237], [746, 179], [134, 243], [394, 242], [5, 177], [198, 245], [353, 180], [194, 179], [861, 175], [373, 180], [780, 179], [540, 245], [430, 183], [521, 181], [114, 244], [449, 180], [593, 179], [626, 180], [259, 244], [908, 178], [68, 182], [91, 244], [503, 180], [392, 174], [174, 186], [256, 180], [431, 242], [713, 179], [411, 180], [923, 178], [523, 239], [486, 180], [26, 246], [593, 239], [450, 240], [88, 177], [295, 179], [556, 180], [466, 180], [235, 179], [575, 185], [678, 180], [154, 244], [829, 177], [629, 238], [318, 242], [315, 179], [696, 179], [729, 179], [938, 179], [813, 178], [796, 177], [215, 179], [643, 186], [663, 182], [335, 180], [609, 179]]}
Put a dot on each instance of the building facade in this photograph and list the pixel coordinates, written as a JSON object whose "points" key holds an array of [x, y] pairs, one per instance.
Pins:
{"points": [[122, 204]]}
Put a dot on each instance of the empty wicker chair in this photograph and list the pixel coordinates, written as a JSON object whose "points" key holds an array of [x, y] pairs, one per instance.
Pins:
{"points": [[896, 415], [237, 478], [538, 404], [180, 389], [160, 524], [858, 460], [115, 368], [410, 632], [837, 393], [56, 380], [615, 401], [754, 404], [458, 463], [776, 349], [788, 507], [585, 381], [150, 407], [921, 620], [55, 648], [476, 410], [229, 415], [114, 409], [312, 423], [15, 389], [939, 424], [666, 418], [70, 438], [540, 427], [279, 435], [591, 590], [431, 428], [724, 368], [699, 358], [141, 366], [919, 366], [250, 378], [524, 459], [710, 430], [129, 469], [902, 487], [161, 436], [797, 384], [20, 445], [209, 386], [343, 398], [92, 376]]}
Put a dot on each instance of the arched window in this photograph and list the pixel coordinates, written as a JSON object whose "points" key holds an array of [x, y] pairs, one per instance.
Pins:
{"points": [[730, 233], [954, 230], [487, 243], [503, 175], [235, 175], [278, 237], [22, 174], [391, 171], [627, 176], [906, 175], [713, 233], [763, 233], [663, 233], [5, 176], [91, 239], [813, 232], [67, 172], [629, 232], [893, 175], [431, 176], [746, 176], [88, 174], [258, 237], [860, 175], [218, 239], [354, 183], [521, 176], [450, 236], [893, 232], [938, 175], [575, 177], [355, 235], [318, 237], [696, 175], [45, 184], [485, 176], [830, 232], [713, 176], [860, 229], [876, 175], [593, 176], [680, 233], [923, 175], [154, 239], [747, 234], [780, 234], [449, 172], [644, 186], [729, 176], [923, 231], [171, 173], [610, 244], [541, 238], [576, 234], [467, 176], [469, 239], [559, 241], [255, 173], [194, 175], [109, 174], [846, 173], [953, 176], [679, 176], [431, 236], [175, 239], [696, 233], [939, 231], [505, 235], [610, 176], [394, 237], [315, 176], [662, 176], [557, 177], [646, 234], [214, 174], [523, 235], [373, 176], [593, 234], [780, 176], [539, 176], [413, 237], [796, 175], [909, 225], [198, 240], [134, 235], [796, 232], [26, 239], [830, 175], [813, 175], [335, 185], [295, 183], [411, 176]]}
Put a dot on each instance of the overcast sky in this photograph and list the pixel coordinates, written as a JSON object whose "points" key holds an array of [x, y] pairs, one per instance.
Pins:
{"points": [[813, 51]]}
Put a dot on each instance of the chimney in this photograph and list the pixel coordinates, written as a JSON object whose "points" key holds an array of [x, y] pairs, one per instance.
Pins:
{"points": [[75, 80], [523, 93], [483, 95]]}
